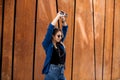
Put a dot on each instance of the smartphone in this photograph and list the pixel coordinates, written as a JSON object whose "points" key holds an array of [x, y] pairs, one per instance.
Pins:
{"points": [[62, 13]]}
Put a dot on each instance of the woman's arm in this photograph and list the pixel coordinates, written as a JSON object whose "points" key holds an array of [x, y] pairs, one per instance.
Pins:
{"points": [[48, 36], [64, 23], [56, 19], [64, 28]]}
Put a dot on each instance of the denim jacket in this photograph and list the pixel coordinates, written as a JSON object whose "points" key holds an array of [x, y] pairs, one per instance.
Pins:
{"points": [[48, 46]]}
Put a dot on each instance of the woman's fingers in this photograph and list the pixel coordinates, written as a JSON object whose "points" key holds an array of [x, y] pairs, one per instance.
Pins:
{"points": [[62, 14], [63, 18]]}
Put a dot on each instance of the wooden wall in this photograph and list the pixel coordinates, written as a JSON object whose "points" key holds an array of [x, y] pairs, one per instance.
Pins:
{"points": [[92, 42]]}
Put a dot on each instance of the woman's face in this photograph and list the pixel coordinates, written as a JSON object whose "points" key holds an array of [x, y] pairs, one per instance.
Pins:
{"points": [[58, 36]]}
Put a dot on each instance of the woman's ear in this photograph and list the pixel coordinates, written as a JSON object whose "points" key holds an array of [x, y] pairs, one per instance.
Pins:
{"points": [[62, 35], [52, 36]]}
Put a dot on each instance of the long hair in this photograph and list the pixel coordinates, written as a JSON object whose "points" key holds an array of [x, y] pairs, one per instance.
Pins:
{"points": [[56, 30]]}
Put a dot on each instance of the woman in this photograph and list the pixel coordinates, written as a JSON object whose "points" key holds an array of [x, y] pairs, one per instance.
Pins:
{"points": [[55, 50]]}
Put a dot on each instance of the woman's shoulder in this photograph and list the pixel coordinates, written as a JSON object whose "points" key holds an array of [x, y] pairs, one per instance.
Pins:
{"points": [[61, 43]]}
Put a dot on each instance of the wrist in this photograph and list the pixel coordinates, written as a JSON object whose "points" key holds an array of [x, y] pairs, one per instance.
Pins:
{"points": [[63, 21], [58, 15]]}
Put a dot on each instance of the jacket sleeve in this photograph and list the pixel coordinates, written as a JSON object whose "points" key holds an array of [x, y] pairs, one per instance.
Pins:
{"points": [[64, 30], [48, 36]]}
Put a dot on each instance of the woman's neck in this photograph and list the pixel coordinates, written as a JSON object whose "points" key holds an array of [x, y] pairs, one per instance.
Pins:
{"points": [[54, 43]]}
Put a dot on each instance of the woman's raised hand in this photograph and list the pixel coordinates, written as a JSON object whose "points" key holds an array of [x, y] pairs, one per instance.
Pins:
{"points": [[60, 14]]}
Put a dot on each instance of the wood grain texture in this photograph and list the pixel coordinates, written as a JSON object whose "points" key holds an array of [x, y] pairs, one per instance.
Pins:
{"points": [[101, 16], [7, 40], [24, 40], [108, 40], [0, 22], [68, 7], [45, 14], [0, 37], [83, 62], [116, 46], [99, 13]]}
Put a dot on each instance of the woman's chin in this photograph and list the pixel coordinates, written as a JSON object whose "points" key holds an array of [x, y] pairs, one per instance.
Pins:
{"points": [[58, 41]]}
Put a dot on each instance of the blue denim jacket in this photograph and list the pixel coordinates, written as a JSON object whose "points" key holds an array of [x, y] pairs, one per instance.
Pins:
{"points": [[48, 46]]}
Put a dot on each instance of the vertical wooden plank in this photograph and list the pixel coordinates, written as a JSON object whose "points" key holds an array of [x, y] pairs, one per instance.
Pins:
{"points": [[116, 47], [0, 36], [99, 12], [83, 67], [68, 7], [24, 40], [0, 21], [46, 13], [7, 39], [108, 40]]}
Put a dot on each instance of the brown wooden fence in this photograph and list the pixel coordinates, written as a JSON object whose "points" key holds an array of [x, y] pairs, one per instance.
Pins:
{"points": [[92, 43]]}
